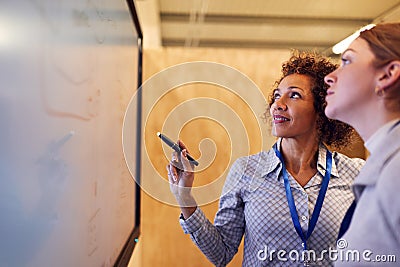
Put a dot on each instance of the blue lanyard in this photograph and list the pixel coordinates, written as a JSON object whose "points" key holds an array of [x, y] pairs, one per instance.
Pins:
{"points": [[318, 204]]}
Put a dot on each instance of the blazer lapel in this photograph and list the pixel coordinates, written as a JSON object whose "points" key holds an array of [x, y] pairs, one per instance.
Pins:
{"points": [[370, 173]]}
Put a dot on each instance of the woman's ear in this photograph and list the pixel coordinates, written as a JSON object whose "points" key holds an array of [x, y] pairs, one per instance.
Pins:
{"points": [[390, 74]]}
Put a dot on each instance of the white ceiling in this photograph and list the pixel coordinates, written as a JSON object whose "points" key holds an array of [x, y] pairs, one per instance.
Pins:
{"points": [[301, 24]]}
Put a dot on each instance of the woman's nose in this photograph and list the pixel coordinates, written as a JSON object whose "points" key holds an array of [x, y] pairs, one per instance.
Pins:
{"points": [[279, 104], [329, 80]]}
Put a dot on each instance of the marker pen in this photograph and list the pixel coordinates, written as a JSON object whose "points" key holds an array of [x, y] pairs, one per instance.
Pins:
{"points": [[176, 147]]}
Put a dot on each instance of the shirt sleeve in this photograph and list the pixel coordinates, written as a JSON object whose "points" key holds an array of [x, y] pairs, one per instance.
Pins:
{"points": [[219, 242]]}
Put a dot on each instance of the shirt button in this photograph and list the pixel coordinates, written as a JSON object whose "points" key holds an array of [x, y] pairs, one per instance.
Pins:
{"points": [[304, 217]]}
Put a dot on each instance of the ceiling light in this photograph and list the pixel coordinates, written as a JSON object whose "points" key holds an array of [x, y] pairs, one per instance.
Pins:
{"points": [[342, 45]]}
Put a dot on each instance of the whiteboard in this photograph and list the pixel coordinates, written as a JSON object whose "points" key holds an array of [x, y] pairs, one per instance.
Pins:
{"points": [[68, 69]]}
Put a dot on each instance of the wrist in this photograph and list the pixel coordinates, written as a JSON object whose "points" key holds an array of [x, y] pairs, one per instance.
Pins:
{"points": [[187, 212], [186, 200]]}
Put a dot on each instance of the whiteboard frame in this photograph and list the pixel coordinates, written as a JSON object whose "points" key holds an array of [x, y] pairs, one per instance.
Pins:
{"points": [[126, 252]]}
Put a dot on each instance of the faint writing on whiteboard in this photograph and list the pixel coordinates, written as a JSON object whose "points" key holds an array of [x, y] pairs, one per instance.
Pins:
{"points": [[93, 232]]}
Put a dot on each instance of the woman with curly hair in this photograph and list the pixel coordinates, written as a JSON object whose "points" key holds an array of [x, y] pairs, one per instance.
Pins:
{"points": [[287, 202]]}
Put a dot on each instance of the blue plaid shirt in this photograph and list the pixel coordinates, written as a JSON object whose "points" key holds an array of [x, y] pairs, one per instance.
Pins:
{"points": [[254, 204]]}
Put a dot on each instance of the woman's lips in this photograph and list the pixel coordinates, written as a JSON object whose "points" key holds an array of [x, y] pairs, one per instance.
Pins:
{"points": [[329, 92], [280, 119]]}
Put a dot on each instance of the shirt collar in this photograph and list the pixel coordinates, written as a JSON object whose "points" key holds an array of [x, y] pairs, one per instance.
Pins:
{"points": [[321, 164], [275, 164]]}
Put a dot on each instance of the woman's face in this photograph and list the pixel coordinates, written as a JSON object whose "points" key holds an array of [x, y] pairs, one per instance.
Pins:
{"points": [[293, 110], [351, 86]]}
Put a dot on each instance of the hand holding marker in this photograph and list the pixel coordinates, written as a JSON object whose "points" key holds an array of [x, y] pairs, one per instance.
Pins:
{"points": [[176, 147]]}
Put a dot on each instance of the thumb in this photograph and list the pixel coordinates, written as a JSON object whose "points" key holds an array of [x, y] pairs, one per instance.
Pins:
{"points": [[187, 166]]}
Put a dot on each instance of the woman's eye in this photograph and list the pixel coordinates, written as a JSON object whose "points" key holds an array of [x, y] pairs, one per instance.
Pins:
{"points": [[345, 61], [295, 95], [276, 96]]}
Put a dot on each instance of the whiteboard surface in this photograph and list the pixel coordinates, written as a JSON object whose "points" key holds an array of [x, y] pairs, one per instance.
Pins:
{"points": [[67, 72]]}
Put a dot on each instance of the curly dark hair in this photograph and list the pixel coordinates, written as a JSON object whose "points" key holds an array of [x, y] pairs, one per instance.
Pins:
{"points": [[331, 132]]}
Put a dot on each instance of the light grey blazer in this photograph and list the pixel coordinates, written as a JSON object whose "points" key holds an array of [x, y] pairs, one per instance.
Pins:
{"points": [[374, 232]]}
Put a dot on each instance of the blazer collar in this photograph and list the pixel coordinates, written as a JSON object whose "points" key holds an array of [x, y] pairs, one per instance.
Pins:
{"points": [[370, 173]]}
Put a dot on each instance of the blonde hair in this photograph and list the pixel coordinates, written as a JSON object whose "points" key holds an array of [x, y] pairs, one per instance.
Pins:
{"points": [[384, 42]]}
